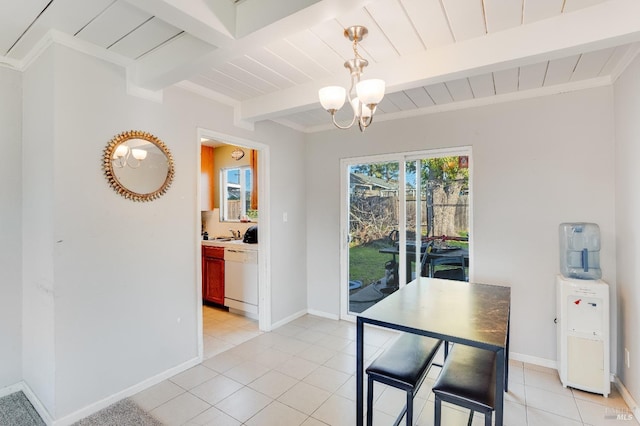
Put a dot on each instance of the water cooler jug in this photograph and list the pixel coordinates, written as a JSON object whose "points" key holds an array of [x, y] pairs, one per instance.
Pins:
{"points": [[580, 251], [583, 311]]}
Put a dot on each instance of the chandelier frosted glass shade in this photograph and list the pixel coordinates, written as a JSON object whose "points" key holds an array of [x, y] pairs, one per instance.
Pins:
{"points": [[332, 97], [124, 156], [363, 96], [121, 151], [370, 91], [139, 154], [360, 110]]}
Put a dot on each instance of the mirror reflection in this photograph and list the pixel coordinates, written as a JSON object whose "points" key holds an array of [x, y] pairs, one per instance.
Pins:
{"points": [[138, 166]]}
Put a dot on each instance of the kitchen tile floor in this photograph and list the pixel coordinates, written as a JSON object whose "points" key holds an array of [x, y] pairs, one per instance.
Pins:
{"points": [[223, 330], [303, 374]]}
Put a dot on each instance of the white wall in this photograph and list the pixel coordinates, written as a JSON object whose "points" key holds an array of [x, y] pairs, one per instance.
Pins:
{"points": [[288, 243], [10, 226], [123, 273], [38, 152], [627, 128], [537, 163]]}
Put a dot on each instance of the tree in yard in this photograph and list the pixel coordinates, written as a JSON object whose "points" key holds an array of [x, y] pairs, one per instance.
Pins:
{"points": [[443, 180], [385, 171], [371, 218], [442, 183]]}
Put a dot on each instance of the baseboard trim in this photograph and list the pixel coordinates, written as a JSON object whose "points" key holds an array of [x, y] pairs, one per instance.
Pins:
{"points": [[543, 362], [631, 403], [11, 389], [301, 313], [628, 399], [288, 319], [323, 314], [40, 408], [103, 403]]}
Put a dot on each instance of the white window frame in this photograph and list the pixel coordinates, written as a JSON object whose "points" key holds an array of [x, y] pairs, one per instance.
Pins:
{"points": [[224, 191]]}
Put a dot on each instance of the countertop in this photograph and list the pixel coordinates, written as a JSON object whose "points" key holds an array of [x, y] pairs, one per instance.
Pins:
{"points": [[230, 244]]}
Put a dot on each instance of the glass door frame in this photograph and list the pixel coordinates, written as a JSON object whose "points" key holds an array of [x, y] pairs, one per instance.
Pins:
{"points": [[402, 158]]}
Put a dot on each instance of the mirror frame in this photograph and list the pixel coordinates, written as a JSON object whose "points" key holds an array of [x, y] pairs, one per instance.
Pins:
{"points": [[107, 165]]}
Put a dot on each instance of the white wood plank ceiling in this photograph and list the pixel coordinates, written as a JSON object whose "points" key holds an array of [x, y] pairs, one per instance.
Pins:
{"points": [[268, 58]]}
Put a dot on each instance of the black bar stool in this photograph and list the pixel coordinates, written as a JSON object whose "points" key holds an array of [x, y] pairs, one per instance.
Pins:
{"points": [[467, 379], [404, 365]]}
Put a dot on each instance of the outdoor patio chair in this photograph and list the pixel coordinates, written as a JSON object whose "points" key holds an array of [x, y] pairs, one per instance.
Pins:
{"points": [[456, 272]]}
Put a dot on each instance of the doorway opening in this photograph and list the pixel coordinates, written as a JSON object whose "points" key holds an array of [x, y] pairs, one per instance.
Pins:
{"points": [[391, 206], [233, 201]]}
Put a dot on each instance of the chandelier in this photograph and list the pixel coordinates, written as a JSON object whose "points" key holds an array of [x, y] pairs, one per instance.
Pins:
{"points": [[364, 96], [125, 156]]}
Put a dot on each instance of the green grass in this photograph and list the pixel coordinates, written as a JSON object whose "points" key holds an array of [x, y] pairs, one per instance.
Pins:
{"points": [[366, 263], [461, 244]]}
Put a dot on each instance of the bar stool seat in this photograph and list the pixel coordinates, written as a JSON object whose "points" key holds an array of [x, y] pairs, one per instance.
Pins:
{"points": [[467, 379], [404, 365]]}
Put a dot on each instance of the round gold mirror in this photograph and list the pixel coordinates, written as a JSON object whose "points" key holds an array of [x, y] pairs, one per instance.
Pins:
{"points": [[138, 165]]}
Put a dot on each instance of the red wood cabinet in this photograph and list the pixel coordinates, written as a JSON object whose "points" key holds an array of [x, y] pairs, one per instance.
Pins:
{"points": [[213, 274]]}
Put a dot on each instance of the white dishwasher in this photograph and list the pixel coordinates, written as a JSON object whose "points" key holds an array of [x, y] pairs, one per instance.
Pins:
{"points": [[241, 279]]}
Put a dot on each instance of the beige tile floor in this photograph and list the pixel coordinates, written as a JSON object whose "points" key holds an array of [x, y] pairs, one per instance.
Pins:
{"points": [[303, 374], [223, 330]]}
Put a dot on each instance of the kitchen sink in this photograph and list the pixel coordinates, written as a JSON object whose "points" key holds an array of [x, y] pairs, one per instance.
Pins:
{"points": [[221, 239]]}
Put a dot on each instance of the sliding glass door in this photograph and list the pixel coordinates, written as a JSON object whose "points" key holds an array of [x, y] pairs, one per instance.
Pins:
{"points": [[372, 232], [399, 213]]}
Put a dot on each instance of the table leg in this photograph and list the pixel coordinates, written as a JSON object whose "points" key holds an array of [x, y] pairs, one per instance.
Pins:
{"points": [[359, 372], [500, 386], [506, 356]]}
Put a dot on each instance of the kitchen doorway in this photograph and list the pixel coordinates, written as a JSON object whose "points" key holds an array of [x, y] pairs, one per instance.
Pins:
{"points": [[240, 203]]}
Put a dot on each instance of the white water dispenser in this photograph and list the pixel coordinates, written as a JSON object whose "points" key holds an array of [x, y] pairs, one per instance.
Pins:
{"points": [[582, 311], [583, 334]]}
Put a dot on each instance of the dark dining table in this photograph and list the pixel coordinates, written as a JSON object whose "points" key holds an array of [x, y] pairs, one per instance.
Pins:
{"points": [[454, 311]]}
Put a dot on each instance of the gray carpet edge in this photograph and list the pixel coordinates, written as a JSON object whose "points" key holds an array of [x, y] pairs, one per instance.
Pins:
{"points": [[124, 412], [16, 410]]}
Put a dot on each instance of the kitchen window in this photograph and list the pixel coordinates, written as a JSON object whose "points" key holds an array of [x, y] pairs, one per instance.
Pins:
{"points": [[236, 193]]}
